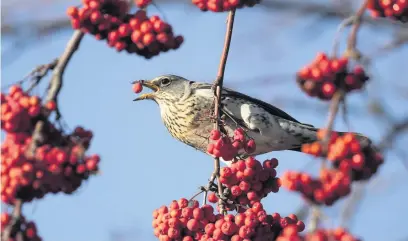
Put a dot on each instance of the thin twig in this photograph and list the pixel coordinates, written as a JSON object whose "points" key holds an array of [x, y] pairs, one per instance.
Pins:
{"points": [[15, 222], [334, 109], [352, 39], [58, 67], [218, 83], [396, 129], [53, 91], [352, 205], [55, 85]]}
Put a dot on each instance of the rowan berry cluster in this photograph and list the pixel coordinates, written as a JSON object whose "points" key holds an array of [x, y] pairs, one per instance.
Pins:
{"points": [[228, 148], [58, 164], [223, 5], [142, 3], [347, 155], [186, 221], [351, 162], [325, 75], [134, 33], [248, 181], [340, 234], [394, 9], [27, 229], [327, 189]]}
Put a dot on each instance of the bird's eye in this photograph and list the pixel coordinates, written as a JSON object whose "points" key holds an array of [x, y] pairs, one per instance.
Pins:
{"points": [[165, 81]]}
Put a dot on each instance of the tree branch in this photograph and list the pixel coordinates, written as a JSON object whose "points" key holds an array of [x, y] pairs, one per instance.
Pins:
{"points": [[396, 129], [56, 85], [218, 83], [15, 222], [58, 67]]}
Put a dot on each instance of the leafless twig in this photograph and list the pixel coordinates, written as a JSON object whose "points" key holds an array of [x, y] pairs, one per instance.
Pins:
{"points": [[55, 85], [58, 67], [396, 129], [218, 83]]}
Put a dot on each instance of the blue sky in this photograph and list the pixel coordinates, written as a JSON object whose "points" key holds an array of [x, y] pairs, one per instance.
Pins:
{"points": [[143, 167]]}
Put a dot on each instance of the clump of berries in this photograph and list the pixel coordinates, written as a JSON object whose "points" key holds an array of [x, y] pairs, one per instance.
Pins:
{"points": [[134, 33], [248, 181], [327, 189], [325, 75], [223, 5], [27, 229], [227, 148], [346, 154], [351, 161], [58, 164], [393, 9], [184, 220], [142, 3], [339, 234]]}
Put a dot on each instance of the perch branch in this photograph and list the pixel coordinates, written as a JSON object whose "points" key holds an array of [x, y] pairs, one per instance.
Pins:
{"points": [[218, 83]]}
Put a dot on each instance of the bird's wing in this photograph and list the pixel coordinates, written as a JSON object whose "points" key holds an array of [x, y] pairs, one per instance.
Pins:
{"points": [[268, 107]]}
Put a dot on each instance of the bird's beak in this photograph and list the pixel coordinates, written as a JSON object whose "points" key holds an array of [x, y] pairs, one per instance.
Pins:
{"points": [[149, 85]]}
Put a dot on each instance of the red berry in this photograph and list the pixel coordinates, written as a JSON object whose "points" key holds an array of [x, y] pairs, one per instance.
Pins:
{"points": [[137, 87]]}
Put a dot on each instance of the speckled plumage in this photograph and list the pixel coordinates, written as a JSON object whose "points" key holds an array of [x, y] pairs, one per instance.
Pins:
{"points": [[186, 109]]}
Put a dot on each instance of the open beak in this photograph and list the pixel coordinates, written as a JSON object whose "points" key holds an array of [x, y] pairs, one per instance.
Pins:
{"points": [[150, 85]]}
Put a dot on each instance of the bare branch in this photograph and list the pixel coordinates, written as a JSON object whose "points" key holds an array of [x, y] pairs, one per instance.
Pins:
{"points": [[218, 83], [55, 85], [396, 129], [15, 222]]}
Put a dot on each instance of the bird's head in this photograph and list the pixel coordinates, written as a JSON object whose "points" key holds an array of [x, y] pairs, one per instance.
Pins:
{"points": [[166, 89]]}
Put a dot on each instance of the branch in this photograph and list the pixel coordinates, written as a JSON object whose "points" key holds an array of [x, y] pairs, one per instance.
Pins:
{"points": [[56, 85], [58, 67], [352, 205], [396, 129], [218, 83], [352, 40], [15, 222]]}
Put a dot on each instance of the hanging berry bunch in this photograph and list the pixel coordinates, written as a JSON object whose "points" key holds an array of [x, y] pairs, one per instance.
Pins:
{"points": [[187, 221], [58, 164], [223, 5], [134, 33], [325, 75], [248, 181], [393, 9]]}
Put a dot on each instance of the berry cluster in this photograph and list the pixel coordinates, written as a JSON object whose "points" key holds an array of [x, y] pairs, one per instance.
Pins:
{"points": [[325, 75], [394, 9], [340, 234], [228, 148], [186, 221], [351, 162], [347, 155], [28, 229], [327, 189], [57, 164], [142, 3], [135, 33], [223, 5], [247, 182]]}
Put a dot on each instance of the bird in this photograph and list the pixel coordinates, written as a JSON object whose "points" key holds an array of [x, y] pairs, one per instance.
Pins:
{"points": [[186, 109]]}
